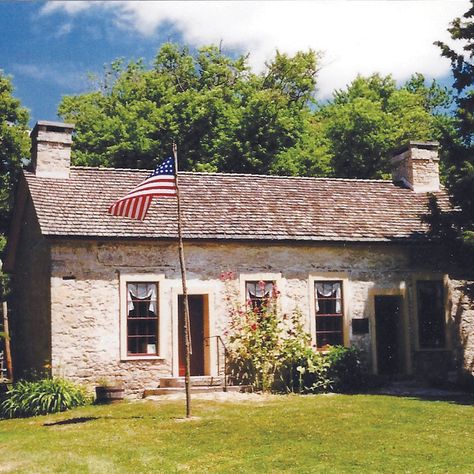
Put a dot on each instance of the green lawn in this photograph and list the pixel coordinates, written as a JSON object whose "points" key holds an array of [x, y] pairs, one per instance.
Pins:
{"points": [[325, 433]]}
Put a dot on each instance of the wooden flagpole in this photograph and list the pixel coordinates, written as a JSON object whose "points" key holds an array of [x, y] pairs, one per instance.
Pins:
{"points": [[187, 333], [8, 354]]}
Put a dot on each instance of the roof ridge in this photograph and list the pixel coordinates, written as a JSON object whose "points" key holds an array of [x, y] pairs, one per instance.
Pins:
{"points": [[236, 175]]}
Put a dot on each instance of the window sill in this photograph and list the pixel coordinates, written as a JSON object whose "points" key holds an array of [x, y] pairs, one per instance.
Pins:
{"points": [[141, 357]]}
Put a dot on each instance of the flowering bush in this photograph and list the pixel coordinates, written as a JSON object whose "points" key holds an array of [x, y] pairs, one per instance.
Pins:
{"points": [[272, 351], [261, 342]]}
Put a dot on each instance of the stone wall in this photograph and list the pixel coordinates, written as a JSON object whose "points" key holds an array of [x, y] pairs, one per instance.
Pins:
{"points": [[51, 149], [85, 298], [462, 311], [30, 325], [417, 165]]}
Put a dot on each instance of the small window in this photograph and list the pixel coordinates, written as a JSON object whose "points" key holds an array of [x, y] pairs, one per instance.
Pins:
{"points": [[431, 318], [142, 319], [258, 293], [329, 313]]}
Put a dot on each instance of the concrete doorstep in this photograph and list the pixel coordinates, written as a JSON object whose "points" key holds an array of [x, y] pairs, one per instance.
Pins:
{"points": [[199, 384]]}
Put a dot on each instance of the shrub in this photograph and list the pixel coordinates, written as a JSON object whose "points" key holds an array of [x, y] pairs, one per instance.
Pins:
{"points": [[263, 344], [345, 369], [338, 370], [42, 397], [270, 351]]}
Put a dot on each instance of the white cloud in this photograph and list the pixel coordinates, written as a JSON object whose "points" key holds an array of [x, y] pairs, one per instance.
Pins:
{"points": [[357, 37], [63, 30], [72, 6], [67, 76]]}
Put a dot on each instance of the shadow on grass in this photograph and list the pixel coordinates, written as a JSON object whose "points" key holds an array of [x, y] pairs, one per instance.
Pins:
{"points": [[72, 421], [429, 394]]}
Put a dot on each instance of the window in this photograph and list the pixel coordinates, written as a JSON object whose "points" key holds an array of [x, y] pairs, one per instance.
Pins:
{"points": [[329, 313], [258, 293], [431, 319], [142, 318]]}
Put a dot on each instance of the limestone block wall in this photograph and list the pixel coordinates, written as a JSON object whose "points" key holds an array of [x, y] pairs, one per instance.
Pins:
{"points": [[30, 322], [85, 299], [462, 314], [425, 171], [51, 149], [418, 165]]}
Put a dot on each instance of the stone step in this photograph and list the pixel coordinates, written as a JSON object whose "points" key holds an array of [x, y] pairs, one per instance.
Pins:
{"points": [[177, 390], [196, 381]]}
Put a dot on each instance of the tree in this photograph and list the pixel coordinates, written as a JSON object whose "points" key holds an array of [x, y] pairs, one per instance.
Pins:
{"points": [[14, 150], [460, 150], [224, 117], [14, 146], [366, 121]]}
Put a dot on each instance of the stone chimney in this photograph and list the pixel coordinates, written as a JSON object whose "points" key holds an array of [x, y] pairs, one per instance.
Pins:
{"points": [[416, 166], [51, 149]]}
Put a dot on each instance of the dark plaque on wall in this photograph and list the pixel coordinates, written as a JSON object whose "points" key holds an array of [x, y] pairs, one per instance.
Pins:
{"points": [[360, 326]]}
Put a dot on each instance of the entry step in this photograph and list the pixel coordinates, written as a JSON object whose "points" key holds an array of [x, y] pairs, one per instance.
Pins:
{"points": [[196, 389], [196, 381]]}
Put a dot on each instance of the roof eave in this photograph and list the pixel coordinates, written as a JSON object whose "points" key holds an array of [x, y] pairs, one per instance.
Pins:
{"points": [[272, 239]]}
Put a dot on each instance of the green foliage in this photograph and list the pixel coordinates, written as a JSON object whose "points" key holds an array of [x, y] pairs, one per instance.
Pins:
{"points": [[261, 340], [41, 397], [337, 370], [460, 150], [14, 148], [14, 145], [346, 371], [365, 122], [272, 352], [223, 116], [227, 118]]}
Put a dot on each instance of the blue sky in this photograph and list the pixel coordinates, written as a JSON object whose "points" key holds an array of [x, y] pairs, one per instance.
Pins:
{"points": [[50, 47]]}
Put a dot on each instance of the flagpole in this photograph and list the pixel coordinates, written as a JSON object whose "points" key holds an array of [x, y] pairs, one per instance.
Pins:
{"points": [[187, 327]]}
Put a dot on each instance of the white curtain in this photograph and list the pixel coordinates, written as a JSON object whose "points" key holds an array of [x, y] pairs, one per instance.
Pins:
{"points": [[142, 291], [332, 290], [259, 290]]}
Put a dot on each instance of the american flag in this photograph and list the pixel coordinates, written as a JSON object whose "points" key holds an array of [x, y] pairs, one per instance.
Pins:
{"points": [[162, 182]]}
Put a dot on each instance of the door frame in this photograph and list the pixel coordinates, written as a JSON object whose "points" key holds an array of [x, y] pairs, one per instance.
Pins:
{"points": [[401, 291], [210, 351]]}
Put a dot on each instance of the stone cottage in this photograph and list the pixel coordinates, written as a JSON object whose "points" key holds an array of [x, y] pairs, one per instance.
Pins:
{"points": [[98, 296]]}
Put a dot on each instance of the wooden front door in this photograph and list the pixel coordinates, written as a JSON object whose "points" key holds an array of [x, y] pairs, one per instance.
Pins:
{"points": [[388, 327], [196, 317]]}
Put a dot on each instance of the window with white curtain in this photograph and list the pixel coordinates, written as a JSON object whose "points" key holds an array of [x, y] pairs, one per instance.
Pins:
{"points": [[258, 293], [329, 313], [142, 318]]}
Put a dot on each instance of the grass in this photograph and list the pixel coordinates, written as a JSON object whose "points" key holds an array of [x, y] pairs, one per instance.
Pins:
{"points": [[333, 433]]}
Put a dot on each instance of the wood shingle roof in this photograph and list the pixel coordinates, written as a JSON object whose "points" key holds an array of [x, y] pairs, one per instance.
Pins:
{"points": [[234, 206]]}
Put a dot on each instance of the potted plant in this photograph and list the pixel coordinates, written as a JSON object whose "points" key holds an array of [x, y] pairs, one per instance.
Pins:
{"points": [[107, 391]]}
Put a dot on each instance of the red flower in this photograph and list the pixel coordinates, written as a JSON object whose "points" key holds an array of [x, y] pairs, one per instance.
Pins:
{"points": [[253, 326], [226, 276]]}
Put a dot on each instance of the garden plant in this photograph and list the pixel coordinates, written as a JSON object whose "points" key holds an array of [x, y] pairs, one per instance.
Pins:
{"points": [[41, 397], [271, 351]]}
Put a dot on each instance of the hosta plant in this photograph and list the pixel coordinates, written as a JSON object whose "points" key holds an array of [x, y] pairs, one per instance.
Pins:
{"points": [[41, 397]]}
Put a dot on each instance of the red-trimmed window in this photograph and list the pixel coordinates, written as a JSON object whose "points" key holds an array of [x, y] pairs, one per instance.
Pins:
{"points": [[329, 313], [142, 318]]}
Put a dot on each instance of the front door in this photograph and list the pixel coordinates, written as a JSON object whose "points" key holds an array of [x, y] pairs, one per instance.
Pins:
{"points": [[388, 334], [196, 317]]}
